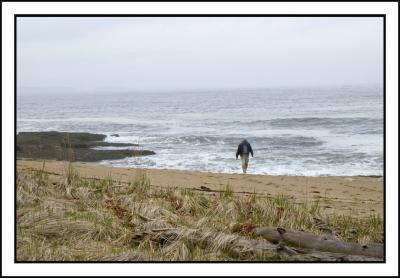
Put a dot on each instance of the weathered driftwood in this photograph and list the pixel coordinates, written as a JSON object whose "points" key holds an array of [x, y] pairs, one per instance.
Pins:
{"points": [[244, 248], [234, 245], [326, 243]]}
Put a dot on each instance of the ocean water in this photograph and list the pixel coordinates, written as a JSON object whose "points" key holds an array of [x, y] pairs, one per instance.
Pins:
{"points": [[293, 131]]}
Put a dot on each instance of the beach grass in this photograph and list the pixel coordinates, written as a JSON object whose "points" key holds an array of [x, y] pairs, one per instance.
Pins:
{"points": [[71, 218]]}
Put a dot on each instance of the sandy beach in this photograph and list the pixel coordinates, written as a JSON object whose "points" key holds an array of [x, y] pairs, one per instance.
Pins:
{"points": [[352, 195]]}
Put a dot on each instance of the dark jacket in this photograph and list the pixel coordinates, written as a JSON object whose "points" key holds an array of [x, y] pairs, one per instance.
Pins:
{"points": [[240, 150]]}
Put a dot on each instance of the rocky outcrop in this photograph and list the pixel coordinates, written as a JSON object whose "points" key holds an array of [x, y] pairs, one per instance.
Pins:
{"points": [[72, 146]]}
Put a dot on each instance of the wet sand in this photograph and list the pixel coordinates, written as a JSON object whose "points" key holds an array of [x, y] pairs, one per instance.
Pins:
{"points": [[355, 195]]}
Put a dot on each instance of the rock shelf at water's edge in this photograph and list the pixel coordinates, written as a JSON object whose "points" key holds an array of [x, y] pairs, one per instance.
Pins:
{"points": [[72, 146]]}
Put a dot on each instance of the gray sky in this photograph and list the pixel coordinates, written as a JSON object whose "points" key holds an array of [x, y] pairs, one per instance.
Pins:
{"points": [[90, 54]]}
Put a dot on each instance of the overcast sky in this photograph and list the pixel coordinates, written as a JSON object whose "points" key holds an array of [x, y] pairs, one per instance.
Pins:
{"points": [[134, 53]]}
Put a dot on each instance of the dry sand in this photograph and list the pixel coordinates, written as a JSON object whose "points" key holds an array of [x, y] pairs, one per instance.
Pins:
{"points": [[355, 196]]}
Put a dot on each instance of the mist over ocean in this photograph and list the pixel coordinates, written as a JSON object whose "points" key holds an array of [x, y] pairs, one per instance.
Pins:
{"points": [[293, 131]]}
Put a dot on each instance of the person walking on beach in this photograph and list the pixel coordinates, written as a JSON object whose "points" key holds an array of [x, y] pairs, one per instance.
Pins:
{"points": [[244, 149]]}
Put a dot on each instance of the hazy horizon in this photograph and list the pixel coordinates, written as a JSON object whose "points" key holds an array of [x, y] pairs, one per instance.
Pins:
{"points": [[169, 54], [28, 90]]}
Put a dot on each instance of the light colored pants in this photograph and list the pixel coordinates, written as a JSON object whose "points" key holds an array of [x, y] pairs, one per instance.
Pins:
{"points": [[245, 162]]}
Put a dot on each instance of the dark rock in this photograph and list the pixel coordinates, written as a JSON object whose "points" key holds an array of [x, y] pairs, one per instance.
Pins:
{"points": [[115, 135], [70, 146]]}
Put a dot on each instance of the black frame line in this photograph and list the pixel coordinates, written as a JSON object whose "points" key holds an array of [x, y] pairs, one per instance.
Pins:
{"points": [[207, 1], [384, 138], [199, 15]]}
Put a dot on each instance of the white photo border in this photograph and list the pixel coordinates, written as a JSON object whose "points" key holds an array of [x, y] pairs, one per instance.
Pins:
{"points": [[9, 267]]}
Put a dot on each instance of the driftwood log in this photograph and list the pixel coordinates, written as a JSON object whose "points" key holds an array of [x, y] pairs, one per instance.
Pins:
{"points": [[325, 243], [243, 248]]}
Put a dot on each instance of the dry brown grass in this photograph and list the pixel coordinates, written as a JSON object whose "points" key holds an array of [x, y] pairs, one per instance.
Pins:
{"points": [[69, 218]]}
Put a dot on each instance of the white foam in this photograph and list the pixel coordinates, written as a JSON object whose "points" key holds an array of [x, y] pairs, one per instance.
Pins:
{"points": [[199, 132]]}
